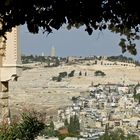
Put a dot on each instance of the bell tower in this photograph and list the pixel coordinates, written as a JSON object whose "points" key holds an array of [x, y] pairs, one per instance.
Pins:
{"points": [[10, 68]]}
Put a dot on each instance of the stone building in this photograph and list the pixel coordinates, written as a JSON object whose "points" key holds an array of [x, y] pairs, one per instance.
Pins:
{"points": [[10, 67]]}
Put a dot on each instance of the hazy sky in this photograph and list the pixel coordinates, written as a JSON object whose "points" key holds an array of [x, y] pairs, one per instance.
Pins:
{"points": [[72, 43]]}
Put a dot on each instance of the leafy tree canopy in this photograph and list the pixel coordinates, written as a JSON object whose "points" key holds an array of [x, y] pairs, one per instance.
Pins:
{"points": [[119, 16]]}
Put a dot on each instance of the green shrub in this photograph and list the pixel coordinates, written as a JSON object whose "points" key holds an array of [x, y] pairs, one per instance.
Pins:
{"points": [[63, 74], [99, 73], [27, 129], [71, 74]]}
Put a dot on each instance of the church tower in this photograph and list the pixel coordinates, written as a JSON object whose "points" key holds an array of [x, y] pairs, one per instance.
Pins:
{"points": [[11, 57], [53, 52], [10, 69]]}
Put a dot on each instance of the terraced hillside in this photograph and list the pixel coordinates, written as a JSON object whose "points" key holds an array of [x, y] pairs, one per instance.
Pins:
{"points": [[35, 88]]}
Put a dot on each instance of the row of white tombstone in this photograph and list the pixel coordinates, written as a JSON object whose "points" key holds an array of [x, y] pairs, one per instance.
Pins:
{"points": [[10, 69]]}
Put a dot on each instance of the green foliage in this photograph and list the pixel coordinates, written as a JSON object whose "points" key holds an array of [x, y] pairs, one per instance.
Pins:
{"points": [[27, 129], [8, 132], [26, 68], [57, 62], [49, 130], [54, 78], [52, 125], [63, 74], [71, 128], [132, 137], [120, 58], [61, 137], [47, 60], [71, 74], [66, 123], [30, 127], [118, 16], [99, 73], [118, 134], [80, 73], [128, 46], [57, 78], [31, 58], [74, 99], [137, 97], [74, 125]]}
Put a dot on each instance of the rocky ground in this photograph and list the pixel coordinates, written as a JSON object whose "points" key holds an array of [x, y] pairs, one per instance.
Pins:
{"points": [[35, 89]]}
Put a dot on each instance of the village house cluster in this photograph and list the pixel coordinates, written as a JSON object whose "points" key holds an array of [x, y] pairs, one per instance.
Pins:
{"points": [[106, 106], [101, 61]]}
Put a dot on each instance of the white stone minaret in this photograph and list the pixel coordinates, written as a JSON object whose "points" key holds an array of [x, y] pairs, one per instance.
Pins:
{"points": [[12, 54], [53, 52], [11, 60], [10, 68]]}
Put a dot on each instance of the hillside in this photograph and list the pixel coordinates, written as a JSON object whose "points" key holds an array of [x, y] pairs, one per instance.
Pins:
{"points": [[35, 88]]}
